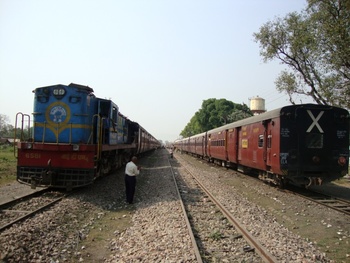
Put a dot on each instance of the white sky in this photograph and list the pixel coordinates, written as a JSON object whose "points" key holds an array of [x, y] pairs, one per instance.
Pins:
{"points": [[156, 59]]}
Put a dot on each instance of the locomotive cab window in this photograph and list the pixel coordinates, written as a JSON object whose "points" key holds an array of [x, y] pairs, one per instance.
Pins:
{"points": [[261, 141], [314, 140]]}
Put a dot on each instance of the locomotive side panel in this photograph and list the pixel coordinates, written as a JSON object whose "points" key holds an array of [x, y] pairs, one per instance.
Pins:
{"points": [[120, 127]]}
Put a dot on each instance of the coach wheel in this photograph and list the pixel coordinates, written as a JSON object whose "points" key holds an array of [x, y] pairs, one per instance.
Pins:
{"points": [[281, 182]]}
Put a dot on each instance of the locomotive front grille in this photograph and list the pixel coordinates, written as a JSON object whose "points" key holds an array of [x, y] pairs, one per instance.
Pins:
{"points": [[60, 178]]}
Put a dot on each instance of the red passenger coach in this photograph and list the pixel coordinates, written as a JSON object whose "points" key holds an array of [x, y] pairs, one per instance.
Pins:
{"points": [[305, 144]]}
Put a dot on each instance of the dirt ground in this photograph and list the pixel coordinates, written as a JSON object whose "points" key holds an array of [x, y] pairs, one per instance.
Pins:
{"points": [[96, 246]]}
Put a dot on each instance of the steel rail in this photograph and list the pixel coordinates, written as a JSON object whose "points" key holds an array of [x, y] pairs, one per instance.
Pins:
{"points": [[194, 243], [29, 214], [4, 206], [22, 198], [260, 249], [335, 203]]}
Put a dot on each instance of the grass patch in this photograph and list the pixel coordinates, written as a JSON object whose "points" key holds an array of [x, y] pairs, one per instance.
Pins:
{"points": [[216, 235], [8, 164]]}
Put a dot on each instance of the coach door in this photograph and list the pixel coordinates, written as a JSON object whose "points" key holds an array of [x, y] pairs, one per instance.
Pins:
{"points": [[240, 145], [204, 146], [209, 145], [268, 143], [232, 145]]}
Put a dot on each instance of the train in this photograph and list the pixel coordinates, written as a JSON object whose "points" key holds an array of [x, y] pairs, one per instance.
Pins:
{"points": [[305, 144], [75, 138]]}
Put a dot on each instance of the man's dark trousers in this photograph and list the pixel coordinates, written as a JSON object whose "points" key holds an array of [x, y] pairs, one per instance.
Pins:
{"points": [[130, 184]]}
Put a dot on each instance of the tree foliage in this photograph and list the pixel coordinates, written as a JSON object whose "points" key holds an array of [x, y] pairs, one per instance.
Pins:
{"points": [[7, 130], [314, 44], [215, 113]]}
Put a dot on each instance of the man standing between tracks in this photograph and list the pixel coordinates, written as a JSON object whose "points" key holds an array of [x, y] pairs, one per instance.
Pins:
{"points": [[131, 171]]}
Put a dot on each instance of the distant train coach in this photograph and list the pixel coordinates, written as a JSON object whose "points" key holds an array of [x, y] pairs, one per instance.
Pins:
{"points": [[305, 144], [75, 138]]}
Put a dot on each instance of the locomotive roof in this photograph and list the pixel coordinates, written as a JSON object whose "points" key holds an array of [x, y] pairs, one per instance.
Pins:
{"points": [[87, 88], [73, 85]]}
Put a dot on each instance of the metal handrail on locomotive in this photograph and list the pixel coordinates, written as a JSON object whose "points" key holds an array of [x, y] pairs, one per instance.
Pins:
{"points": [[77, 137], [306, 144]]}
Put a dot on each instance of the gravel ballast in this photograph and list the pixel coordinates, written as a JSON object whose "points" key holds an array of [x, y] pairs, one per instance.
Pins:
{"points": [[96, 225]]}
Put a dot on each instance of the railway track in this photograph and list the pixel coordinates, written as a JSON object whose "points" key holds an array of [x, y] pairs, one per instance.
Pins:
{"points": [[332, 202], [19, 209], [188, 224], [228, 239]]}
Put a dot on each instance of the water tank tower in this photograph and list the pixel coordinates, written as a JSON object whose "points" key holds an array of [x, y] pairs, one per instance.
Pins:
{"points": [[257, 105]]}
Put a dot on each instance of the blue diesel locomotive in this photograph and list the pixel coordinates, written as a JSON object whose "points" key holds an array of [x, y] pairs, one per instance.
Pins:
{"points": [[76, 137]]}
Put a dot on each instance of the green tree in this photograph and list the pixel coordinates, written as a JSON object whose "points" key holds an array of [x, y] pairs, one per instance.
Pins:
{"points": [[314, 45], [215, 113], [7, 130], [192, 127]]}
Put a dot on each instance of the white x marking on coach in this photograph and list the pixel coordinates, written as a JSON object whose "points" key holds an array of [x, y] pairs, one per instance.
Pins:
{"points": [[315, 121]]}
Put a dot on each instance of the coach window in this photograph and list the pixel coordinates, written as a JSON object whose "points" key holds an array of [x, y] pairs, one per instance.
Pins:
{"points": [[261, 141], [269, 140]]}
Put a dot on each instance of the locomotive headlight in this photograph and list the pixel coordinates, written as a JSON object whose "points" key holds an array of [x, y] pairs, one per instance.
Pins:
{"points": [[59, 92], [75, 147], [29, 146]]}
